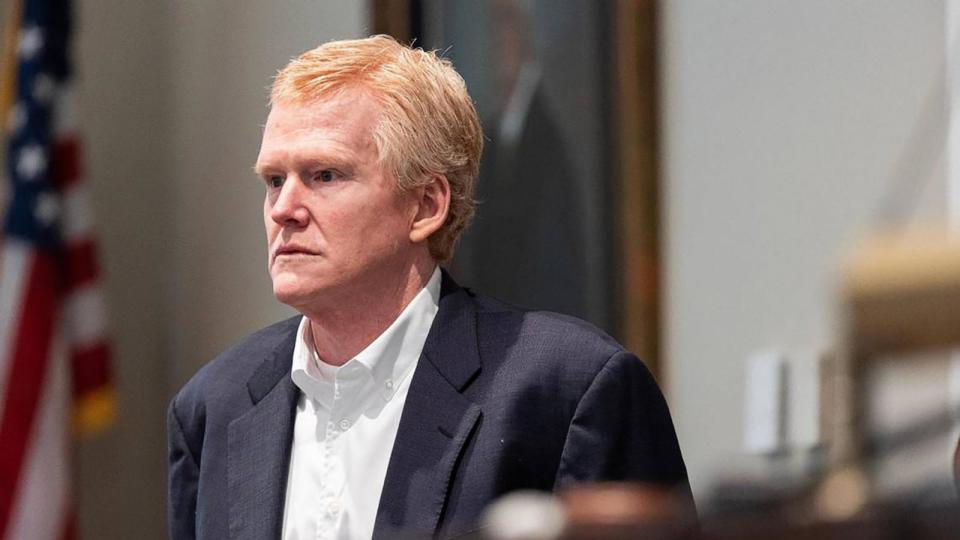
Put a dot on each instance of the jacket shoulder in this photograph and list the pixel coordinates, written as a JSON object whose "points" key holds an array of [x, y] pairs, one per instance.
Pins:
{"points": [[542, 345], [557, 331]]}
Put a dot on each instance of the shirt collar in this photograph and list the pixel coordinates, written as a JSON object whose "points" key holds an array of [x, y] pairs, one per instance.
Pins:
{"points": [[384, 363]]}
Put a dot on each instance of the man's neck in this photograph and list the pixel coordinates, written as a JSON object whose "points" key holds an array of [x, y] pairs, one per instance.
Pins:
{"points": [[341, 332]]}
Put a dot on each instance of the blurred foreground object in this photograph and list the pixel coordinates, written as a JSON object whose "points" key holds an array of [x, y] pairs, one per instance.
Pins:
{"points": [[899, 295], [621, 510], [54, 355], [593, 512], [902, 292], [526, 515]]}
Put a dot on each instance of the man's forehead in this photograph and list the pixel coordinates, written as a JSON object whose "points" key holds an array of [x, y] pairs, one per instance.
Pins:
{"points": [[348, 102]]}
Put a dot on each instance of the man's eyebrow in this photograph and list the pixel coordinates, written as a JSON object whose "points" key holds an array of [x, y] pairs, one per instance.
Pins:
{"points": [[327, 163], [259, 168], [343, 163]]}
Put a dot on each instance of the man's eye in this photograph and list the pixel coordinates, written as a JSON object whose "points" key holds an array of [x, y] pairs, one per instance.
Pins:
{"points": [[275, 181], [327, 176]]}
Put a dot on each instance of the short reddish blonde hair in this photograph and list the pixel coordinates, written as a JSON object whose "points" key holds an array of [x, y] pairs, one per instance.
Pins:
{"points": [[429, 123]]}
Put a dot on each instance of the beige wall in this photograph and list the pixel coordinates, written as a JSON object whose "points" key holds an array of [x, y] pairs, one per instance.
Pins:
{"points": [[783, 122], [173, 96], [123, 65]]}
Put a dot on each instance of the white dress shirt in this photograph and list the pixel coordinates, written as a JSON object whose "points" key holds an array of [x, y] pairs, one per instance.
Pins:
{"points": [[346, 422]]}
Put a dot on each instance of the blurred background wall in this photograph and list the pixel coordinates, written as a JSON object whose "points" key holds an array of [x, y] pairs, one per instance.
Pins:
{"points": [[781, 123]]}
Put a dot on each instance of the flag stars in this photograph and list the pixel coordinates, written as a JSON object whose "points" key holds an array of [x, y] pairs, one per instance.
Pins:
{"points": [[16, 118], [43, 88], [32, 162], [47, 209], [30, 43]]}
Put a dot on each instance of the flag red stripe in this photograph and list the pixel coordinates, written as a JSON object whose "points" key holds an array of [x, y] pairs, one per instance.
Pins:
{"points": [[82, 265], [65, 166], [90, 368], [31, 355], [70, 525]]}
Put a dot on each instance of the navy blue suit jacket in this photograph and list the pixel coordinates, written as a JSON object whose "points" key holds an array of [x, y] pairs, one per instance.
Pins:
{"points": [[501, 400]]}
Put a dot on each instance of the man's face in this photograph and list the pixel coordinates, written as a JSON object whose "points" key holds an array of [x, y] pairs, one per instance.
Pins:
{"points": [[336, 223]]}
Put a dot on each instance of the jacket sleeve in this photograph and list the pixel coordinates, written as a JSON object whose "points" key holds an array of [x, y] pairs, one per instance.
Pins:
{"points": [[183, 471], [621, 430]]}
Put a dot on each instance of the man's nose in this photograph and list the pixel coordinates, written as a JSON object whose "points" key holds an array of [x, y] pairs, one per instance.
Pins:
{"points": [[288, 208]]}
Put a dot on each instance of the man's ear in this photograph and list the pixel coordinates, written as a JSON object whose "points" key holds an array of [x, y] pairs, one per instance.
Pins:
{"points": [[433, 204]]}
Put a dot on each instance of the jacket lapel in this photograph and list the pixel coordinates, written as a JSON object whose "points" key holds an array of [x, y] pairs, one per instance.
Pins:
{"points": [[259, 449], [436, 423]]}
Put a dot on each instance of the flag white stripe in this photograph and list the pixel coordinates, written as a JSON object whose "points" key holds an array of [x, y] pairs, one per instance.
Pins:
{"points": [[77, 218], [86, 316], [40, 509], [15, 260]]}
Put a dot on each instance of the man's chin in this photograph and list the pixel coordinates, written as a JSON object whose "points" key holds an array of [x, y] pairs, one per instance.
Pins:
{"points": [[294, 297]]}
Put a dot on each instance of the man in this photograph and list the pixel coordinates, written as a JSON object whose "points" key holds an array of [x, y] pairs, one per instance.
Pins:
{"points": [[398, 401]]}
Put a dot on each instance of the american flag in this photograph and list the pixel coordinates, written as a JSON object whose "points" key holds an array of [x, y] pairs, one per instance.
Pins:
{"points": [[54, 357]]}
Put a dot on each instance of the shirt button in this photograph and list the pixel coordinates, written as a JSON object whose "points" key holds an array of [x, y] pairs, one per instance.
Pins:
{"points": [[389, 384], [334, 507], [344, 424]]}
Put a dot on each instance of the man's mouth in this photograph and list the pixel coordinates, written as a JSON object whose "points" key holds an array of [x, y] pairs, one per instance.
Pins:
{"points": [[292, 251]]}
